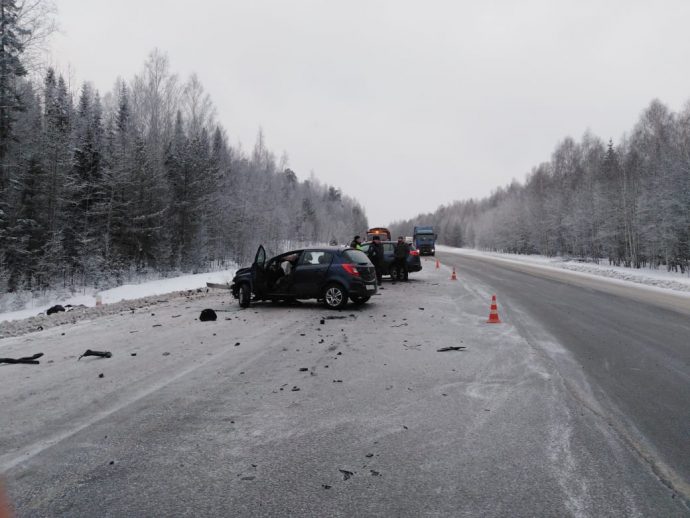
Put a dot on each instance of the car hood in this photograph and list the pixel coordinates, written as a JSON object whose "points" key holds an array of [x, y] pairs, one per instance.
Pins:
{"points": [[243, 271]]}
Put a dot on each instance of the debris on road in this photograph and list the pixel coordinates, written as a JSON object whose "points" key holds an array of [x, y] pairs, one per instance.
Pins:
{"points": [[55, 309], [101, 375], [295, 389], [208, 315], [374, 473], [346, 474], [166, 353], [451, 348], [326, 486], [28, 360], [304, 369], [100, 354]]}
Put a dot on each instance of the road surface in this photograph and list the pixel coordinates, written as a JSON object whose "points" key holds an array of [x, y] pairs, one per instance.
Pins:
{"points": [[272, 411], [632, 345]]}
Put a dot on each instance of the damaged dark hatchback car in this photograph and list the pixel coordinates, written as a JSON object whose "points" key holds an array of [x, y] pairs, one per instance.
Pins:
{"points": [[330, 274]]}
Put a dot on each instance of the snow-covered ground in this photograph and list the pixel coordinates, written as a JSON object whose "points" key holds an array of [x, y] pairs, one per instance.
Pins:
{"points": [[124, 292], [659, 278]]}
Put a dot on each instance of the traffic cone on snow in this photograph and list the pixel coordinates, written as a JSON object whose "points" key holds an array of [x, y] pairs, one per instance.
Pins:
{"points": [[493, 315], [454, 277], [438, 264]]}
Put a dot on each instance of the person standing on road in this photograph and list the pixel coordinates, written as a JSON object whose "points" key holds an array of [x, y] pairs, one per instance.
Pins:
{"points": [[400, 253], [356, 243], [375, 254]]}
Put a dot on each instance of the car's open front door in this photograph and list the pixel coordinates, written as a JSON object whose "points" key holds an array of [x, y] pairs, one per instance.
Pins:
{"points": [[259, 272]]}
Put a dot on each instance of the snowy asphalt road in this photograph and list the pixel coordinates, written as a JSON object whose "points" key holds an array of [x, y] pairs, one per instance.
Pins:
{"points": [[379, 423], [631, 343]]}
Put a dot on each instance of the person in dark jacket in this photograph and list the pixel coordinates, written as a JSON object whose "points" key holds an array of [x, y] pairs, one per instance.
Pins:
{"points": [[375, 254], [400, 253]]}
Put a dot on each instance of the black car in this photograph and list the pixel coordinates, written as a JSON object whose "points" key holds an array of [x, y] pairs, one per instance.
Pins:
{"points": [[414, 263], [330, 274]]}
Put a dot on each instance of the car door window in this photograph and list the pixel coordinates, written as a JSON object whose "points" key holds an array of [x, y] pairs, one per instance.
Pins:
{"points": [[388, 248], [314, 258]]}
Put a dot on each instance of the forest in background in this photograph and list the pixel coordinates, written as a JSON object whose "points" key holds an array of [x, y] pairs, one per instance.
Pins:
{"points": [[627, 204], [97, 189]]}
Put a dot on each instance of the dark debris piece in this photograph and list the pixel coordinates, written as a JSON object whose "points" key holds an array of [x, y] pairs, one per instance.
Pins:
{"points": [[303, 369], [208, 315], [99, 354], [451, 348], [28, 360], [346, 474], [101, 375], [295, 389], [326, 486], [55, 309]]}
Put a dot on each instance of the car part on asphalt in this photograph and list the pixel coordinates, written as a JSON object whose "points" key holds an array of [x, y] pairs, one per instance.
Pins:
{"points": [[100, 354], [31, 360]]}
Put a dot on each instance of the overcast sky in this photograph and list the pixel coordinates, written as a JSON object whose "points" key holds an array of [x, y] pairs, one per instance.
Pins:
{"points": [[404, 105]]}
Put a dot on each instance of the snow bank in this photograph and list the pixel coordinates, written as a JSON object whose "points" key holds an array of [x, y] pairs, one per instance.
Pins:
{"points": [[124, 292], [646, 276]]}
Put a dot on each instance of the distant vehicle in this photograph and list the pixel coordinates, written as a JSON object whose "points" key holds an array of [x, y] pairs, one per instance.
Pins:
{"points": [[330, 274], [414, 263], [425, 240], [382, 232]]}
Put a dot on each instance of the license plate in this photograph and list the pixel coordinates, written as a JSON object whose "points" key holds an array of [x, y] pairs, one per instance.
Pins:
{"points": [[371, 287]]}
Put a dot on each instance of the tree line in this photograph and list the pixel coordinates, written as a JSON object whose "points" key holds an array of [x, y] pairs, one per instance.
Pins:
{"points": [[627, 204], [95, 189]]}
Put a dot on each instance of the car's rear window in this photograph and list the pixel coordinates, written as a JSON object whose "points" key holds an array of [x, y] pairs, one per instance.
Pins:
{"points": [[356, 256]]}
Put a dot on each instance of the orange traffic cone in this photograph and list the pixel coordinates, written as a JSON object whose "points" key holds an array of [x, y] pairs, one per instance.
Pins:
{"points": [[438, 264], [454, 277], [493, 315]]}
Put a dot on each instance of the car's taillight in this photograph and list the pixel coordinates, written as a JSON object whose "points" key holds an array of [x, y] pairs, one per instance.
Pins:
{"points": [[414, 252], [351, 269]]}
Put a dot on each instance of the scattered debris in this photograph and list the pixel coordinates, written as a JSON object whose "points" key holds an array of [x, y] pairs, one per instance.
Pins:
{"points": [[111, 462], [322, 321], [326, 486], [133, 354], [401, 325], [237, 344], [346, 474], [101, 375], [374, 473], [100, 354], [337, 381], [369, 455], [304, 369], [248, 478], [157, 325], [421, 309], [30, 360], [295, 389], [451, 348], [208, 315], [176, 316], [166, 354], [55, 309], [336, 317]]}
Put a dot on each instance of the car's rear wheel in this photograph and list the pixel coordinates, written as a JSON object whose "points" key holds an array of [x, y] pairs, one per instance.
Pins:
{"points": [[245, 295], [358, 301], [334, 296]]}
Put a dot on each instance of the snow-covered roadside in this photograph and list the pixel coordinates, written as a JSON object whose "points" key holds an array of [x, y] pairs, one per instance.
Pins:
{"points": [[644, 276], [125, 292]]}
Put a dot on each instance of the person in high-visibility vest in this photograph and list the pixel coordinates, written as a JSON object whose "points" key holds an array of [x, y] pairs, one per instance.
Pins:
{"points": [[356, 243]]}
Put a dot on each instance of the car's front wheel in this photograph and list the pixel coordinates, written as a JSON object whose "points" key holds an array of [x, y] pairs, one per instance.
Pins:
{"points": [[334, 296], [245, 295], [358, 301]]}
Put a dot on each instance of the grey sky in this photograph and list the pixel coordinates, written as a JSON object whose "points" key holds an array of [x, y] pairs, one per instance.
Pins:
{"points": [[404, 105]]}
